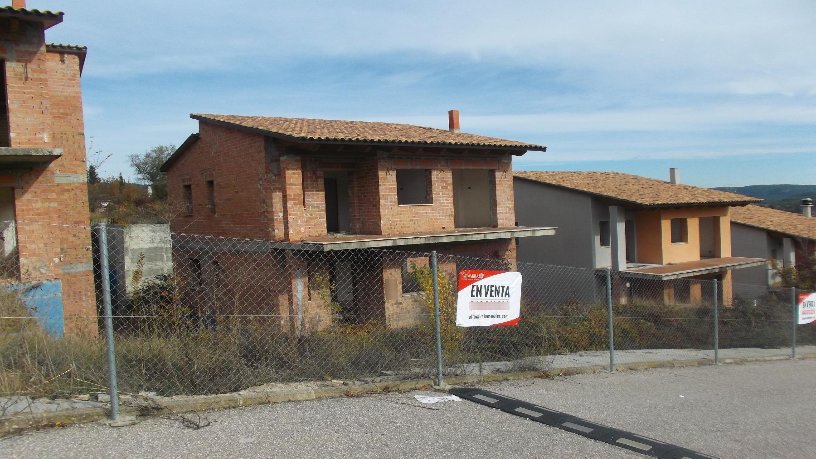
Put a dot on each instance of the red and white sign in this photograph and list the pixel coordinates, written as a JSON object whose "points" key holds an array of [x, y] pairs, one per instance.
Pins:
{"points": [[807, 308], [488, 298]]}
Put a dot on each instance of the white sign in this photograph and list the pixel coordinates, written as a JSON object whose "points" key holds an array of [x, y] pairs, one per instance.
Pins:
{"points": [[488, 298], [807, 308]]}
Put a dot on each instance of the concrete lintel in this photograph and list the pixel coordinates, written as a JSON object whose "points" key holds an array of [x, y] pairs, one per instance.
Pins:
{"points": [[26, 154], [363, 242], [692, 272], [394, 241]]}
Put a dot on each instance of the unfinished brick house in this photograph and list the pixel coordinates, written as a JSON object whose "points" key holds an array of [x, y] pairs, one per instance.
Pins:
{"points": [[325, 191], [43, 189]]}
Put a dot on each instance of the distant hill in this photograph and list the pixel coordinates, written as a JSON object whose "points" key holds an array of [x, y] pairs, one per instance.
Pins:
{"points": [[785, 197]]}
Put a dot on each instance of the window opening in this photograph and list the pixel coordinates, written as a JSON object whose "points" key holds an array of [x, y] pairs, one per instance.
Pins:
{"points": [[414, 186], [679, 230]]}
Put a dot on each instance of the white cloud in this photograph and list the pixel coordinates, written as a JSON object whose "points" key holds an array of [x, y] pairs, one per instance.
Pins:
{"points": [[738, 46], [667, 79]]}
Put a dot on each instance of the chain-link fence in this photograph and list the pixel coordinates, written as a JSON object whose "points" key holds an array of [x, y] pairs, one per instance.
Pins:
{"points": [[193, 315]]}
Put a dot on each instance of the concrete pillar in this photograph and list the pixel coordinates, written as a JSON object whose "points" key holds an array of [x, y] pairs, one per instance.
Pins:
{"points": [[617, 228], [788, 253]]}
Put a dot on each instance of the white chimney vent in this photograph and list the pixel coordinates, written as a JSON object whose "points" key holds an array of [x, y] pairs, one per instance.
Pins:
{"points": [[807, 207], [674, 175]]}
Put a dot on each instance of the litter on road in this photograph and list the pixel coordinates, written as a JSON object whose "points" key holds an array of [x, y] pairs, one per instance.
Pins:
{"points": [[436, 398]]}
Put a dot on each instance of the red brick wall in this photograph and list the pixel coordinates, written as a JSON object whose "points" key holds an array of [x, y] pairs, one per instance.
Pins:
{"points": [[22, 45], [439, 216], [51, 203], [275, 191], [235, 161], [365, 203]]}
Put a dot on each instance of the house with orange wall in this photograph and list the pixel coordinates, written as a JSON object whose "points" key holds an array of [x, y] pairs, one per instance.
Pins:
{"points": [[651, 231]]}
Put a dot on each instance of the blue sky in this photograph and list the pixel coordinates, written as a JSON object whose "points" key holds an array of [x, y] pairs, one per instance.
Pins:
{"points": [[726, 91]]}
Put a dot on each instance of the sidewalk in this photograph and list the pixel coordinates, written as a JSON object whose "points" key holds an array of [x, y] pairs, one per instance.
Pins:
{"points": [[21, 412]]}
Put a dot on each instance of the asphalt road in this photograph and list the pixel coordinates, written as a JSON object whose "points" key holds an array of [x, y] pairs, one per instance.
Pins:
{"points": [[753, 410]]}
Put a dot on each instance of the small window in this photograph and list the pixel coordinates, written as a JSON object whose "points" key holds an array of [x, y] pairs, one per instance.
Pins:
{"points": [[211, 195], [197, 273], [679, 230], [414, 186], [5, 136], [606, 235], [410, 268], [188, 199]]}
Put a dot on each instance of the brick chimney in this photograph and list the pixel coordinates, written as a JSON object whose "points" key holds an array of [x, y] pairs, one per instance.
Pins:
{"points": [[674, 175], [18, 4], [807, 207], [453, 120]]}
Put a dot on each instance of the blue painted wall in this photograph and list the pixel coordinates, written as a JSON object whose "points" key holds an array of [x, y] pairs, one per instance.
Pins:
{"points": [[44, 301]]}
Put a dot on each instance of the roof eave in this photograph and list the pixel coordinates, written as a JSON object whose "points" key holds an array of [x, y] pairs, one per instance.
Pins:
{"points": [[774, 230], [79, 51], [517, 150], [640, 205], [47, 18], [191, 139]]}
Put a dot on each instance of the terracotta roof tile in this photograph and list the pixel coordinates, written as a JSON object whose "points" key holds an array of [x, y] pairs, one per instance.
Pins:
{"points": [[49, 18], [363, 132], [66, 48], [778, 221], [636, 190]]}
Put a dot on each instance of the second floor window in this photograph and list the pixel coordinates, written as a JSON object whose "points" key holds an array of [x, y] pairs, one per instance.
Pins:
{"points": [[187, 195], [414, 186], [211, 195], [679, 230], [606, 235]]}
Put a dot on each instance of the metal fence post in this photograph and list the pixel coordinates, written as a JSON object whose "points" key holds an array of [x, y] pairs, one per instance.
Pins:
{"points": [[106, 304], [299, 298], [716, 324], [795, 306], [440, 378], [610, 325]]}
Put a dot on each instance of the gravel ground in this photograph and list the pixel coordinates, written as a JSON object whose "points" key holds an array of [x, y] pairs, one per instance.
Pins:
{"points": [[752, 410]]}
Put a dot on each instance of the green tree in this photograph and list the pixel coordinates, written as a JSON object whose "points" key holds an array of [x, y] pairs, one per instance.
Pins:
{"points": [[93, 175], [147, 167]]}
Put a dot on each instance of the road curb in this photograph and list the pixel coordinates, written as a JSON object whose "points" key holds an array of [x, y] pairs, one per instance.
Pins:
{"points": [[187, 404]]}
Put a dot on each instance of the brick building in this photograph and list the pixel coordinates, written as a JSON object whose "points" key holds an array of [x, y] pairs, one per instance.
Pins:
{"points": [[334, 188], [43, 189]]}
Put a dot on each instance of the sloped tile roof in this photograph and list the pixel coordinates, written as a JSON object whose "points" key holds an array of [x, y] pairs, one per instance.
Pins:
{"points": [[778, 221], [66, 48], [78, 50], [50, 18], [361, 132], [633, 189]]}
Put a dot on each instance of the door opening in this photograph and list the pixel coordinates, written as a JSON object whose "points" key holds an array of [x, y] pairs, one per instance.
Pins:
{"points": [[474, 198], [5, 129], [336, 190]]}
